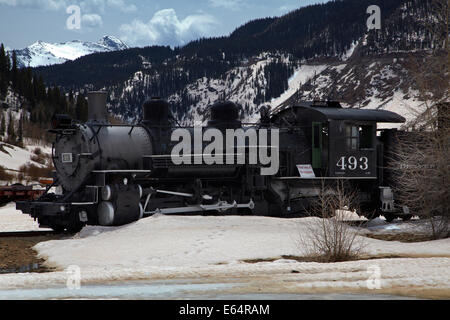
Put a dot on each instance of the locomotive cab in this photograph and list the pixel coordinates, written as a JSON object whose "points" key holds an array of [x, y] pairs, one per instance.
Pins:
{"points": [[333, 144], [340, 142]]}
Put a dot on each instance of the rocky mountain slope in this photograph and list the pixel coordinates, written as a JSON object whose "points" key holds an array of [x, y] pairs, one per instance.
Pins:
{"points": [[377, 83]]}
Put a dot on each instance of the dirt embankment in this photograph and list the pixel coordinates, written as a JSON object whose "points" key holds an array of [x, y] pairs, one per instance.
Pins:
{"points": [[17, 255]]}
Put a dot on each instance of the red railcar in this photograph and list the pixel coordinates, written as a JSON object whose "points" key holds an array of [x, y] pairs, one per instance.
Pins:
{"points": [[18, 192]]}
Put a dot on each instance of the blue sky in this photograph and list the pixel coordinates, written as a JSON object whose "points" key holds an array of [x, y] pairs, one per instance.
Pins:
{"points": [[136, 22]]}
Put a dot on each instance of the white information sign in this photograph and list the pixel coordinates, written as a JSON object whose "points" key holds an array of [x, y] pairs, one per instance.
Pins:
{"points": [[306, 171]]}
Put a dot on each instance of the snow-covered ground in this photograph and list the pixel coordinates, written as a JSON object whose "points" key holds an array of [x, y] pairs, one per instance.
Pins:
{"points": [[14, 220], [179, 241], [215, 248]]}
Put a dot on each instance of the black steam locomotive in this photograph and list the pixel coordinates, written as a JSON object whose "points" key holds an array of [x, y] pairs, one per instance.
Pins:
{"points": [[115, 174]]}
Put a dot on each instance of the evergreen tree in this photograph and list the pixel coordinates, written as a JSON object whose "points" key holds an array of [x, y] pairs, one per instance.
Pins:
{"points": [[2, 125], [11, 132], [20, 133], [42, 92], [4, 70], [14, 71], [3, 64]]}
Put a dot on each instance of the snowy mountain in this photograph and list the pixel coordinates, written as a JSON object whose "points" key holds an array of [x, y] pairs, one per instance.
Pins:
{"points": [[43, 54]]}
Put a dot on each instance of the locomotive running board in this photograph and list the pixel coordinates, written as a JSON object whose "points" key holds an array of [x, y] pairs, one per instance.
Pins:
{"points": [[220, 206]]}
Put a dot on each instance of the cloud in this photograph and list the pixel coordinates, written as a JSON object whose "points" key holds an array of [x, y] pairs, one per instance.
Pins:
{"points": [[286, 8], [164, 28], [119, 4], [102, 5], [91, 21], [86, 5], [227, 4]]}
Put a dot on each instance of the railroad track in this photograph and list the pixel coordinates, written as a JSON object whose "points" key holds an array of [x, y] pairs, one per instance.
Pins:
{"points": [[23, 234]]}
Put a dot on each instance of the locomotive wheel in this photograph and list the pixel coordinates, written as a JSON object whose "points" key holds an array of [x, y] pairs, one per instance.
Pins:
{"points": [[407, 217], [389, 217], [74, 228], [372, 214], [57, 228], [69, 224], [370, 210]]}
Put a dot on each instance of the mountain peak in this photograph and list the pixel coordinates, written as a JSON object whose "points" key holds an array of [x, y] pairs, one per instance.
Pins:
{"points": [[112, 42], [43, 53]]}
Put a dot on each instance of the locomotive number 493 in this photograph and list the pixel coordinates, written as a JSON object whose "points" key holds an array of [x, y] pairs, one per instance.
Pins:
{"points": [[353, 163]]}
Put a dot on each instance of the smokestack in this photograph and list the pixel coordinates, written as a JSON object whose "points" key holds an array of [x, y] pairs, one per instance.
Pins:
{"points": [[97, 107], [224, 115], [156, 112]]}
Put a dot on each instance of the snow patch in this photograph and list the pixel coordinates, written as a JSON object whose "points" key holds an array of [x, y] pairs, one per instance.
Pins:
{"points": [[350, 51], [14, 220], [300, 77]]}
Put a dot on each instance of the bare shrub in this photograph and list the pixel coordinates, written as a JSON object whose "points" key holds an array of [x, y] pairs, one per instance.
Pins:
{"points": [[4, 175], [327, 237], [2, 148], [439, 226], [421, 161], [21, 176], [37, 151], [37, 133], [39, 158], [35, 172], [423, 176]]}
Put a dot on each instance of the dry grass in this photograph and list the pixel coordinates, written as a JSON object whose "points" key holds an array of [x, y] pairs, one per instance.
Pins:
{"points": [[401, 237]]}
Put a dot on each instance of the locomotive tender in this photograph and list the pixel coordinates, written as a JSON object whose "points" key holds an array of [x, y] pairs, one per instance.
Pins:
{"points": [[115, 174]]}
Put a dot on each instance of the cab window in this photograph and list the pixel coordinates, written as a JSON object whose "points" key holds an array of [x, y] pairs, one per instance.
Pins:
{"points": [[351, 137], [358, 136], [365, 137]]}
